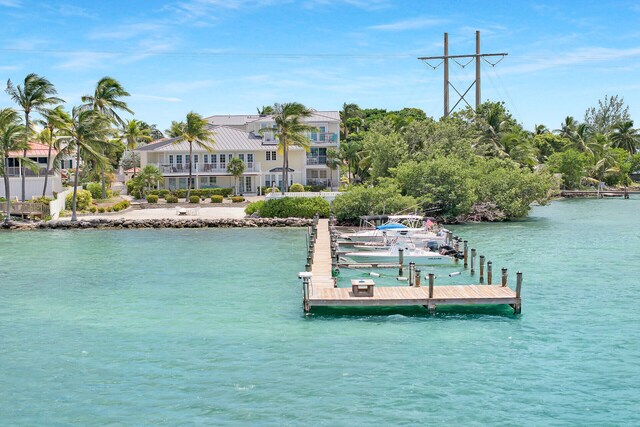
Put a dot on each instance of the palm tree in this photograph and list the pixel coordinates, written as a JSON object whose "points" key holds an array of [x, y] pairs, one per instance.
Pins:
{"points": [[236, 167], [87, 132], [106, 100], [196, 130], [623, 135], [11, 139], [349, 111], [175, 130], [290, 131], [53, 121], [567, 128], [265, 110], [150, 176], [132, 134], [34, 95]]}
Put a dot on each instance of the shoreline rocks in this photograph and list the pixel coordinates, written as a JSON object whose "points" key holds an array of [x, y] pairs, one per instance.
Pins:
{"points": [[107, 223]]}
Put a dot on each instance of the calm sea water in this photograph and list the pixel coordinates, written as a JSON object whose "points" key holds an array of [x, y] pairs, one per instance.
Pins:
{"points": [[183, 327]]}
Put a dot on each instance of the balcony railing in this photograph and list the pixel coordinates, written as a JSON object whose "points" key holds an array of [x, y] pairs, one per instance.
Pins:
{"points": [[317, 160], [324, 137], [18, 171], [182, 168]]}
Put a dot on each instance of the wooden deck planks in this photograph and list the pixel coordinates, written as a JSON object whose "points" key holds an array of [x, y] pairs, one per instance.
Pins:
{"points": [[321, 267]]}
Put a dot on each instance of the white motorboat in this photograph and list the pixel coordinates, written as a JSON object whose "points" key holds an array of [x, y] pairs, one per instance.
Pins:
{"points": [[415, 227], [392, 253]]}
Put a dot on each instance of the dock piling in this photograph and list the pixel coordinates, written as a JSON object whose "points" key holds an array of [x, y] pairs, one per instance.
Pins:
{"points": [[504, 277], [517, 309], [401, 261], [432, 279], [412, 273], [489, 272], [466, 253], [473, 260], [481, 269], [417, 284]]}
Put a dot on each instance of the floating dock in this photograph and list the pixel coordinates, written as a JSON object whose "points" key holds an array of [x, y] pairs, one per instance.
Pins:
{"points": [[320, 286]]}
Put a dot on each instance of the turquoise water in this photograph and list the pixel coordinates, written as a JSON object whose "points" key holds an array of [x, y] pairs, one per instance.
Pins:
{"points": [[183, 327]]}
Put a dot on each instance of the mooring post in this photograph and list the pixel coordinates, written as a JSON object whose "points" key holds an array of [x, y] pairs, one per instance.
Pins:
{"points": [[400, 261], [489, 272], [473, 260], [412, 273], [504, 277], [432, 279], [481, 269], [466, 253], [518, 283], [306, 282], [417, 284], [307, 266]]}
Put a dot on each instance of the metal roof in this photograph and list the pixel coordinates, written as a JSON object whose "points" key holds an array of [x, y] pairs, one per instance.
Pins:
{"points": [[35, 150], [241, 120], [225, 139]]}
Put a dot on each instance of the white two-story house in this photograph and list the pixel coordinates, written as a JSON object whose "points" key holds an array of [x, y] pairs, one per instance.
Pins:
{"points": [[34, 178], [239, 137]]}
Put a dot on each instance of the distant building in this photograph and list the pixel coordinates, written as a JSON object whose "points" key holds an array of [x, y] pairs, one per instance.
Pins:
{"points": [[239, 137], [34, 180]]}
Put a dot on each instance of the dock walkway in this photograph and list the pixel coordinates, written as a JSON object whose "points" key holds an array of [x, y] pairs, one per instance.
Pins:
{"points": [[321, 287]]}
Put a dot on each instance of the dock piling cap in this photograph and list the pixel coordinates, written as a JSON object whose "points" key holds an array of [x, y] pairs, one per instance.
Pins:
{"points": [[304, 274]]}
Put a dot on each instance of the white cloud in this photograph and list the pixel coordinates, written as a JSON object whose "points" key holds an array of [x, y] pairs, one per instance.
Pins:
{"points": [[155, 97], [409, 24]]}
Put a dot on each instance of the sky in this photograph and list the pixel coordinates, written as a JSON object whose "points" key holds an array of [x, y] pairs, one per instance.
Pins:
{"points": [[232, 56]]}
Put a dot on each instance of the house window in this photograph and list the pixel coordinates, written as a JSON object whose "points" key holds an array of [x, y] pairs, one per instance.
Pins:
{"points": [[186, 158], [179, 159], [271, 155], [214, 160], [206, 158], [241, 157], [223, 161], [230, 156], [170, 159], [250, 158], [195, 158], [268, 155]]}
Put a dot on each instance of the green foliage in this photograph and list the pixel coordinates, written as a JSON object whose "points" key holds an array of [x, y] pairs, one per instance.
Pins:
{"points": [[294, 207], [254, 207], [152, 198], [270, 189], [203, 193], [95, 188], [124, 204], [362, 200], [571, 164], [216, 199], [194, 199], [42, 199], [171, 199], [83, 200], [237, 199], [296, 188]]}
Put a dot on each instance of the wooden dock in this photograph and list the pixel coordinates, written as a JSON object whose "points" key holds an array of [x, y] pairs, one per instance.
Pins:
{"points": [[319, 287]]}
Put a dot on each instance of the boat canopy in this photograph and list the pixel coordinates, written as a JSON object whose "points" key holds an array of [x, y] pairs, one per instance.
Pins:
{"points": [[374, 217], [391, 226]]}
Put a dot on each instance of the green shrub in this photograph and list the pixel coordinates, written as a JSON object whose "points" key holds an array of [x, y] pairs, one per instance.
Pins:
{"points": [[296, 207], [95, 188], [224, 192], [163, 193], [109, 208], [124, 204], [361, 200], [42, 199], [101, 209], [83, 200], [93, 209], [237, 199], [194, 199], [180, 194], [254, 207], [270, 189], [314, 188], [152, 198], [296, 188], [171, 199], [216, 199]]}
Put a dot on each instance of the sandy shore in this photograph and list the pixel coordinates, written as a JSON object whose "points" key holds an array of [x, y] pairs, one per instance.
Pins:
{"points": [[170, 213]]}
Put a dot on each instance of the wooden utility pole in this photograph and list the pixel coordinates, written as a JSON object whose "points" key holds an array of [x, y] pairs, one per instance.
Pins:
{"points": [[445, 61]]}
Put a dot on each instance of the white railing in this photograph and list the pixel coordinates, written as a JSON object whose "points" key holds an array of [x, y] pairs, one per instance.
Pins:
{"points": [[181, 168], [327, 195]]}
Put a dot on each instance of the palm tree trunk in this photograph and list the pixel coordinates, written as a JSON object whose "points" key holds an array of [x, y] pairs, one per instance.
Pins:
{"points": [[189, 180], [74, 217], [24, 154], [46, 174], [104, 189], [7, 188]]}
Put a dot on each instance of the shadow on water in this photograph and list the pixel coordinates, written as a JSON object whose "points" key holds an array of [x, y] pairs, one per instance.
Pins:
{"points": [[375, 313]]}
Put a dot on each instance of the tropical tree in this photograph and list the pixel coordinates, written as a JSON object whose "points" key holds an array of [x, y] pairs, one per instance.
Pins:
{"points": [[35, 94], [52, 121], [567, 128], [86, 134], [349, 154], [236, 168], [106, 99], [265, 110], [11, 139], [175, 130], [131, 134], [349, 112], [290, 130], [150, 176], [610, 110], [154, 132], [195, 130], [624, 136]]}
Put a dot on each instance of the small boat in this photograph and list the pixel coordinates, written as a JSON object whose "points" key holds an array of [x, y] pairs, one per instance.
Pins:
{"points": [[391, 255], [415, 227]]}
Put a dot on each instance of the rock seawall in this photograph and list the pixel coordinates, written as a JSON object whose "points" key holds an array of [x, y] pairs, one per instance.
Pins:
{"points": [[103, 223]]}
